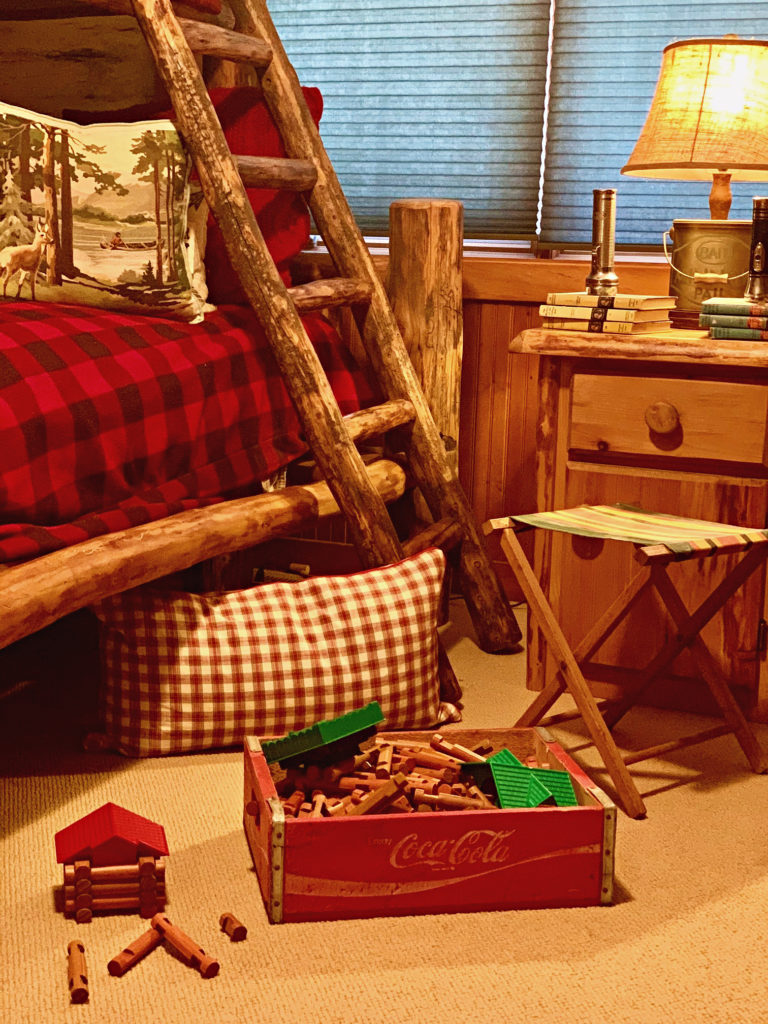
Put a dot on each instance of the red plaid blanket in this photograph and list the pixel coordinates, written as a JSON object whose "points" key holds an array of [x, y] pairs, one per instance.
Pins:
{"points": [[111, 420]]}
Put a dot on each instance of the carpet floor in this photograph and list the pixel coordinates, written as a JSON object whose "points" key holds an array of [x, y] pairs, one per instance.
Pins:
{"points": [[685, 940]]}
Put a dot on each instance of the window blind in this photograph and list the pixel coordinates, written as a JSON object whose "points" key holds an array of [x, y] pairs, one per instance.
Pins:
{"points": [[428, 99], [605, 62]]}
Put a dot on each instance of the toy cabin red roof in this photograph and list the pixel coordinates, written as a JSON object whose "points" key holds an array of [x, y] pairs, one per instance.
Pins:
{"points": [[110, 835]]}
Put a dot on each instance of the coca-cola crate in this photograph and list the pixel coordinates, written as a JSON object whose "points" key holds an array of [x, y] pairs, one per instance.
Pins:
{"points": [[376, 865]]}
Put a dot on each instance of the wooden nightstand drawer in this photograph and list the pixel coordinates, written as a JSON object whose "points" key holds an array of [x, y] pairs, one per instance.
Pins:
{"points": [[684, 419]]}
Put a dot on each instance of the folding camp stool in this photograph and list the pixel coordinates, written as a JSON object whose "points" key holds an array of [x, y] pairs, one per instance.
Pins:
{"points": [[659, 539]]}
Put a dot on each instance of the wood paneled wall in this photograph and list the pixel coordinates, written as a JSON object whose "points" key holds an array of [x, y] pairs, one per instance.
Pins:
{"points": [[497, 435]]}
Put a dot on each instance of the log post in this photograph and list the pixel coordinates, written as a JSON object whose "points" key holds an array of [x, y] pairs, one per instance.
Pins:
{"points": [[424, 286]]}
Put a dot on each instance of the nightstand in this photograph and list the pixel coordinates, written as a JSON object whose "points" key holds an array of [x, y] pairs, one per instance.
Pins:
{"points": [[675, 422]]}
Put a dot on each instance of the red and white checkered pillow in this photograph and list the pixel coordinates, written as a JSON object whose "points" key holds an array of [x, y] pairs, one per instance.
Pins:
{"points": [[186, 672]]}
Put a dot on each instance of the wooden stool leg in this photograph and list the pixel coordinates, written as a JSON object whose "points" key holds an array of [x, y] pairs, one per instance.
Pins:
{"points": [[695, 621], [711, 673], [589, 643], [535, 711], [572, 676]]}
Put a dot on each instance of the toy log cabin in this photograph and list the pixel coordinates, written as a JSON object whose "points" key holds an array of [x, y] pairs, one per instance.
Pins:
{"points": [[112, 861]]}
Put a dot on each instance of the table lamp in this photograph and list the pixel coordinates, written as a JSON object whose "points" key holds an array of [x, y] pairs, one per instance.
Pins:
{"points": [[708, 121]]}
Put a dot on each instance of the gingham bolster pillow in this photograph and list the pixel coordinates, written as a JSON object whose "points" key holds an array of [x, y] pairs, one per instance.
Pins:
{"points": [[185, 672]]}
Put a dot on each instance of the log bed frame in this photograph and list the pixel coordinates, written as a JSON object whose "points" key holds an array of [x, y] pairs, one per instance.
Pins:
{"points": [[39, 592]]}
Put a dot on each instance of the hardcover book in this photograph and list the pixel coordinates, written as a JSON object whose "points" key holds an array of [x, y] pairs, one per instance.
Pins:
{"points": [[734, 307], [598, 313], [611, 301], [606, 326], [717, 320], [745, 333]]}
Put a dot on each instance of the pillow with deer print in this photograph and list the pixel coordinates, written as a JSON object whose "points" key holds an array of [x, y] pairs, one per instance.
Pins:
{"points": [[98, 216]]}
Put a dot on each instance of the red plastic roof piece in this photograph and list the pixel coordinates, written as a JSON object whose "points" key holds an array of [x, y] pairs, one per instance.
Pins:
{"points": [[110, 835]]}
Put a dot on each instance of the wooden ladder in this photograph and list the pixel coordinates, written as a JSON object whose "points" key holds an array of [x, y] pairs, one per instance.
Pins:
{"points": [[175, 44]]}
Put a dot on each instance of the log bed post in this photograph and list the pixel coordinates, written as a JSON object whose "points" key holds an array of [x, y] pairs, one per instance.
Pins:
{"points": [[424, 287]]}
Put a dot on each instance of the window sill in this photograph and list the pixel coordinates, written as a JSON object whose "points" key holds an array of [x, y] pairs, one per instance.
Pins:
{"points": [[494, 278], [513, 277]]}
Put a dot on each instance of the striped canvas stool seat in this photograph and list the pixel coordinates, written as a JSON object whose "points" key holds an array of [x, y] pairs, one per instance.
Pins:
{"points": [[659, 540]]}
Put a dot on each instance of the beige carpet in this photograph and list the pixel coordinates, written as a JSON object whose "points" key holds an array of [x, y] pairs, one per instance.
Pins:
{"points": [[686, 940]]}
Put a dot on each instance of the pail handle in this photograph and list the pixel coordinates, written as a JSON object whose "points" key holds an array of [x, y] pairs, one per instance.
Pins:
{"points": [[712, 278]]}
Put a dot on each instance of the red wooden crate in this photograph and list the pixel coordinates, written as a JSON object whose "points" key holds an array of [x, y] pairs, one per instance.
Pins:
{"points": [[387, 864]]}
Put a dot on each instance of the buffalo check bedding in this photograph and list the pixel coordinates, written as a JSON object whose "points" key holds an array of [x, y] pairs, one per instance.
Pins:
{"points": [[112, 420]]}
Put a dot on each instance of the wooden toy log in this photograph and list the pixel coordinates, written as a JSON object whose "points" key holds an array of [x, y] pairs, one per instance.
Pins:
{"points": [[449, 775], [428, 757], [379, 799], [402, 805], [91, 905], [77, 974], [384, 763], [319, 800], [479, 795], [349, 783], [230, 925], [81, 869], [341, 807], [106, 891], [186, 947], [455, 749], [138, 949], [447, 801], [114, 874], [423, 782], [147, 866], [292, 804]]}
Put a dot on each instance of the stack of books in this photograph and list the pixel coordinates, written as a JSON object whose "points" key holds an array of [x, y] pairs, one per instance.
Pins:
{"points": [[607, 314], [735, 318]]}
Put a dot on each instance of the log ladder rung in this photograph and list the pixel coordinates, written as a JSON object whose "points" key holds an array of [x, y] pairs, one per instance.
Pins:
{"points": [[276, 172], [208, 40], [445, 534], [378, 419], [330, 291]]}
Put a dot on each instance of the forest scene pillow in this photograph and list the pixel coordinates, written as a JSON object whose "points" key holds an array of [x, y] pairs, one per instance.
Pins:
{"points": [[96, 215]]}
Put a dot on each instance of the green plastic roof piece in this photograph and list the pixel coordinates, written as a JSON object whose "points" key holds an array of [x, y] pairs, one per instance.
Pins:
{"points": [[558, 783], [329, 740], [505, 756], [481, 770], [518, 786]]}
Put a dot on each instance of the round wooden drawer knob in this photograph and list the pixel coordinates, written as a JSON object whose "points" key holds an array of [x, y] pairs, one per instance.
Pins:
{"points": [[662, 417]]}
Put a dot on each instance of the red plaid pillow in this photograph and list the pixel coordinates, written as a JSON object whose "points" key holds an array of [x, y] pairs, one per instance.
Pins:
{"points": [[187, 672]]}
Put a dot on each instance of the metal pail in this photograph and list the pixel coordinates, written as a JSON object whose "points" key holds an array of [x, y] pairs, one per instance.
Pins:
{"points": [[709, 258]]}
